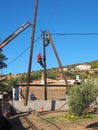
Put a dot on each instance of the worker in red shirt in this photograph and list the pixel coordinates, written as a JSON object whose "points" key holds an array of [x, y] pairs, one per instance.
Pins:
{"points": [[39, 59]]}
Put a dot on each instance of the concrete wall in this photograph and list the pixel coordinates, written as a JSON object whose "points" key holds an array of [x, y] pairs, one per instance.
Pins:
{"points": [[40, 105]]}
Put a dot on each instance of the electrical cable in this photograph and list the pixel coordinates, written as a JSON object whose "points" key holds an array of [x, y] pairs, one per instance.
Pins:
{"points": [[23, 51], [74, 34], [19, 55], [62, 34]]}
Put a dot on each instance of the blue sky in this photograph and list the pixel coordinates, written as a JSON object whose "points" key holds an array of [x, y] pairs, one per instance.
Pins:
{"points": [[57, 16]]}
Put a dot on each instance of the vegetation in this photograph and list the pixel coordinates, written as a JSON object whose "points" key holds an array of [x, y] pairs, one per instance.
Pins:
{"points": [[95, 64], [7, 85], [2, 65], [70, 117], [36, 75], [80, 97], [73, 117], [2, 60], [70, 74], [22, 78], [51, 75], [13, 81]]}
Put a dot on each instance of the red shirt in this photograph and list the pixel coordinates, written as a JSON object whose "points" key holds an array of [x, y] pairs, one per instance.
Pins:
{"points": [[39, 57]]}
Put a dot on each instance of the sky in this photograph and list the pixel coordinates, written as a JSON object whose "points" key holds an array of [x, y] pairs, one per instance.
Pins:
{"points": [[56, 16]]}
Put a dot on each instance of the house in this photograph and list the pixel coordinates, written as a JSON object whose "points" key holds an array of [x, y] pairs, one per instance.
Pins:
{"points": [[55, 90], [83, 67]]}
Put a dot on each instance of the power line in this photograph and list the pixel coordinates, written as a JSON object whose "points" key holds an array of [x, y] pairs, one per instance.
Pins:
{"points": [[74, 33], [24, 51], [62, 34], [19, 55]]}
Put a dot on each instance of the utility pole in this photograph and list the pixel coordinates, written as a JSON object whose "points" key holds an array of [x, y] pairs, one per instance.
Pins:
{"points": [[56, 54], [31, 52], [44, 59]]}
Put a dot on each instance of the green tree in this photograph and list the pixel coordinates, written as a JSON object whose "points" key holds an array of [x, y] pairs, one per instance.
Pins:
{"points": [[80, 97], [8, 85], [2, 60], [2, 65]]}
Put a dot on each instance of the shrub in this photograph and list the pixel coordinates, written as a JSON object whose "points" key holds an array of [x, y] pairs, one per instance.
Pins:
{"points": [[22, 78], [51, 75], [95, 65], [80, 97], [35, 75]]}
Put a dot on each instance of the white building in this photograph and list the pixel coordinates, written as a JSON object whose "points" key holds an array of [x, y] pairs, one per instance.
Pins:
{"points": [[83, 67]]}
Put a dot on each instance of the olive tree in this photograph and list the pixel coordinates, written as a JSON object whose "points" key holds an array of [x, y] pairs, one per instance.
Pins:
{"points": [[81, 96]]}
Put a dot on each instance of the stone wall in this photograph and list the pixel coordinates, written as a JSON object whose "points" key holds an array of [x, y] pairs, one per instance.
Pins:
{"points": [[53, 92]]}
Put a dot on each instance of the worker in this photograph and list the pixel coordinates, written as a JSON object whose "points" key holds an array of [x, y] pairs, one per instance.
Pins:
{"points": [[39, 59]]}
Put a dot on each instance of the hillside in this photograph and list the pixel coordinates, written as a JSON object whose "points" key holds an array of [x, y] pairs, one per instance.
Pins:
{"points": [[71, 71], [55, 73]]}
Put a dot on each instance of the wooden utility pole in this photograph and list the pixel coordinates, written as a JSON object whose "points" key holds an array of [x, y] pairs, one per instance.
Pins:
{"points": [[44, 59], [56, 54], [31, 52]]}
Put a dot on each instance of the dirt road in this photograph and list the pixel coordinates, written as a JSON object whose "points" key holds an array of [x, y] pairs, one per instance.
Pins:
{"points": [[42, 122]]}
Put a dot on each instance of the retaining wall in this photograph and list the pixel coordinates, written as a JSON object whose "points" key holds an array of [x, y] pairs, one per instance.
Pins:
{"points": [[40, 105]]}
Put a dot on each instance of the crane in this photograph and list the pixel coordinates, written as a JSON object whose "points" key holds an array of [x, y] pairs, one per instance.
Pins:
{"points": [[14, 34]]}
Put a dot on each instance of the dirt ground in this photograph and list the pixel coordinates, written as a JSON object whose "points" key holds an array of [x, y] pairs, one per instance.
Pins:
{"points": [[45, 121]]}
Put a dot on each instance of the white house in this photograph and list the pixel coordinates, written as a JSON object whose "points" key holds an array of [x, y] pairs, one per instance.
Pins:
{"points": [[83, 67]]}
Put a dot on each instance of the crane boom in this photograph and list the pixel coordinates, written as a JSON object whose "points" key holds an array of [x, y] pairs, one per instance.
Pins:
{"points": [[14, 34]]}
